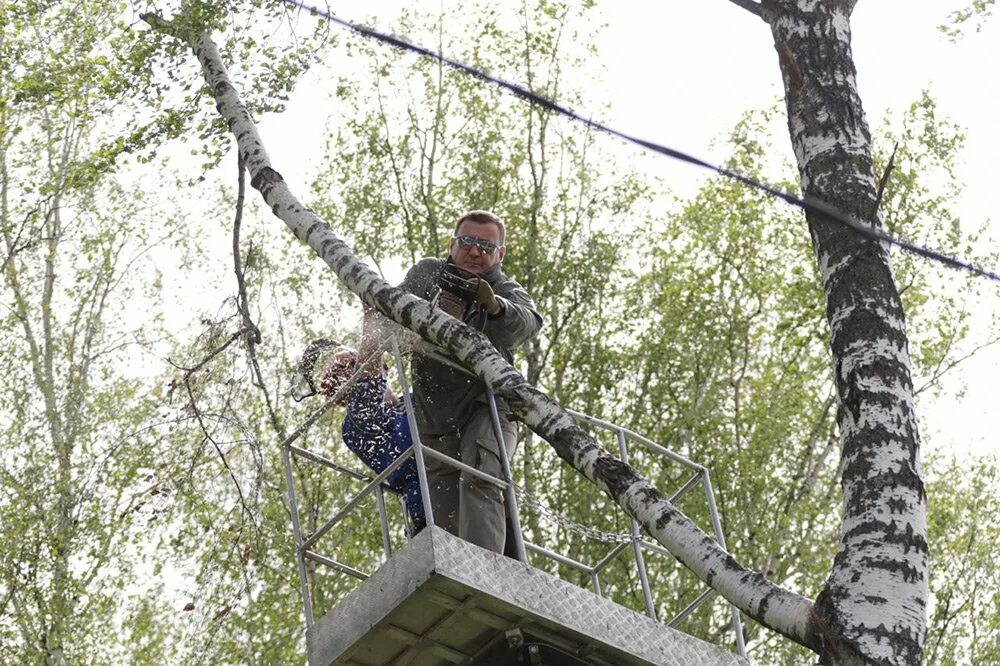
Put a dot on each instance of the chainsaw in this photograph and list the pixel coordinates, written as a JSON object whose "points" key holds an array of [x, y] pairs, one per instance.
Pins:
{"points": [[457, 288]]}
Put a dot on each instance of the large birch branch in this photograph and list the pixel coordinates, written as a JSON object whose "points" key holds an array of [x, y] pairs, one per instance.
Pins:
{"points": [[764, 601]]}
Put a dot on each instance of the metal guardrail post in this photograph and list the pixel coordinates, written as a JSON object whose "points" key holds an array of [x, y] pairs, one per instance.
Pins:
{"points": [[352, 503], [418, 451], [692, 482], [561, 559], [463, 468], [326, 462], [640, 561], [721, 539], [510, 495], [286, 450], [383, 518], [334, 564], [297, 533], [610, 557]]}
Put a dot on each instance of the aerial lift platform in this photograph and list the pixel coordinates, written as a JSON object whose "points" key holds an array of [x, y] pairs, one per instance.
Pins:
{"points": [[439, 600]]}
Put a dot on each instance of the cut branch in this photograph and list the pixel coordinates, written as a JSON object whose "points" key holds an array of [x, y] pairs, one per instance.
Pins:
{"points": [[750, 6], [242, 300], [771, 605], [883, 181], [253, 336]]}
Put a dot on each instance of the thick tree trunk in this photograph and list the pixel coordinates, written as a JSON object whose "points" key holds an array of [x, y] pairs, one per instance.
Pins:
{"points": [[769, 604], [873, 606]]}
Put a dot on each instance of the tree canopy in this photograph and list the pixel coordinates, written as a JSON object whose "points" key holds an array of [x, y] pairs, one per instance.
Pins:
{"points": [[143, 507]]}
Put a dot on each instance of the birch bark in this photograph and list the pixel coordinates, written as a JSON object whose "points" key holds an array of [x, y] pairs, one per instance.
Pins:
{"points": [[873, 606], [769, 604]]}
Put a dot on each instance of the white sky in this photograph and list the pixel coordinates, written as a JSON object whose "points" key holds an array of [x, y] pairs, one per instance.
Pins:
{"points": [[682, 73]]}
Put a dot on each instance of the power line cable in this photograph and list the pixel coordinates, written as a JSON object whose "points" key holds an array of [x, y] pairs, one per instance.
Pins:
{"points": [[805, 203]]}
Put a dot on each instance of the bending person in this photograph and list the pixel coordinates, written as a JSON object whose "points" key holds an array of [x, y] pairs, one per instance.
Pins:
{"points": [[375, 425]]}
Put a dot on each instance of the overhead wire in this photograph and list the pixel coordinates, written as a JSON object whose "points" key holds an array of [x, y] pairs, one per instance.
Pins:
{"points": [[806, 203]]}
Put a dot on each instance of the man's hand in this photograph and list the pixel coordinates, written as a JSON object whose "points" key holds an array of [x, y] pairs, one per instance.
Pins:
{"points": [[471, 289], [485, 298]]}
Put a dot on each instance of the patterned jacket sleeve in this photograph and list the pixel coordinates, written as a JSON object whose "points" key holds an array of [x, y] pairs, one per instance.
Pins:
{"points": [[367, 410]]}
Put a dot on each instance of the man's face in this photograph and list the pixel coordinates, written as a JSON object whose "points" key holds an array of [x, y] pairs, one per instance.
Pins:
{"points": [[472, 257]]}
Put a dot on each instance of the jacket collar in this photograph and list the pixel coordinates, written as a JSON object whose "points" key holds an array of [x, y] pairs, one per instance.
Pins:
{"points": [[491, 274]]}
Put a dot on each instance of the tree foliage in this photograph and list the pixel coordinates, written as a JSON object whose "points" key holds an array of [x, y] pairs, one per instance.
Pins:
{"points": [[89, 467], [145, 519], [77, 460], [958, 19], [964, 582]]}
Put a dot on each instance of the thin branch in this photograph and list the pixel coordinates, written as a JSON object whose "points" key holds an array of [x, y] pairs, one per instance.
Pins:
{"points": [[16, 246], [3, 605], [223, 347], [941, 368], [242, 301], [222, 456], [750, 6], [279, 428], [883, 180]]}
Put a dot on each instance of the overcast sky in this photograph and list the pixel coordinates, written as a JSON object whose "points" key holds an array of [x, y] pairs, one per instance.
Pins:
{"points": [[682, 73]]}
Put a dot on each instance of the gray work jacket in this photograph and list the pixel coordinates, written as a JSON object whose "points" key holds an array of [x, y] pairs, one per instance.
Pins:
{"points": [[445, 398]]}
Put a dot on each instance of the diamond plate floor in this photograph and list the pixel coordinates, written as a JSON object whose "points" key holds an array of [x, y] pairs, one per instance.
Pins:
{"points": [[442, 601]]}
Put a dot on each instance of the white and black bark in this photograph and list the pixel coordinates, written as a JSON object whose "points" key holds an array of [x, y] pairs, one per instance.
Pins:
{"points": [[873, 606], [769, 604]]}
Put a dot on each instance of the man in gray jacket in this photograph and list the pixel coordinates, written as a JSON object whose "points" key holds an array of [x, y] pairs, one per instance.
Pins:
{"points": [[451, 407]]}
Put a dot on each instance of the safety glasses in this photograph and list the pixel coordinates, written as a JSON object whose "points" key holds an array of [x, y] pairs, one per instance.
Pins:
{"points": [[488, 247]]}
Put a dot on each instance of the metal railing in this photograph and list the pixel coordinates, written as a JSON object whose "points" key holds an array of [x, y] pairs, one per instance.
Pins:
{"points": [[304, 545]]}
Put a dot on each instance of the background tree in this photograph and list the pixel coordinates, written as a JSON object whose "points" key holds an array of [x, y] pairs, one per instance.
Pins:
{"points": [[872, 607], [734, 358], [86, 469], [76, 460]]}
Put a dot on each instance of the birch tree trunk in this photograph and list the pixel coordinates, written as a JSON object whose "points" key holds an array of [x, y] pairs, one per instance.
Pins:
{"points": [[769, 604], [873, 606]]}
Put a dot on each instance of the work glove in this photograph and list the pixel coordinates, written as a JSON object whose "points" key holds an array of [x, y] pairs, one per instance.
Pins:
{"points": [[485, 298]]}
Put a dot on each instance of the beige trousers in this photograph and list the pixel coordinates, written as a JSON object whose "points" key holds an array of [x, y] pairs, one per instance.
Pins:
{"points": [[465, 505]]}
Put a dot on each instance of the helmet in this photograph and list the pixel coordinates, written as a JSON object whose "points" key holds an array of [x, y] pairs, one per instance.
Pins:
{"points": [[337, 369], [309, 371]]}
